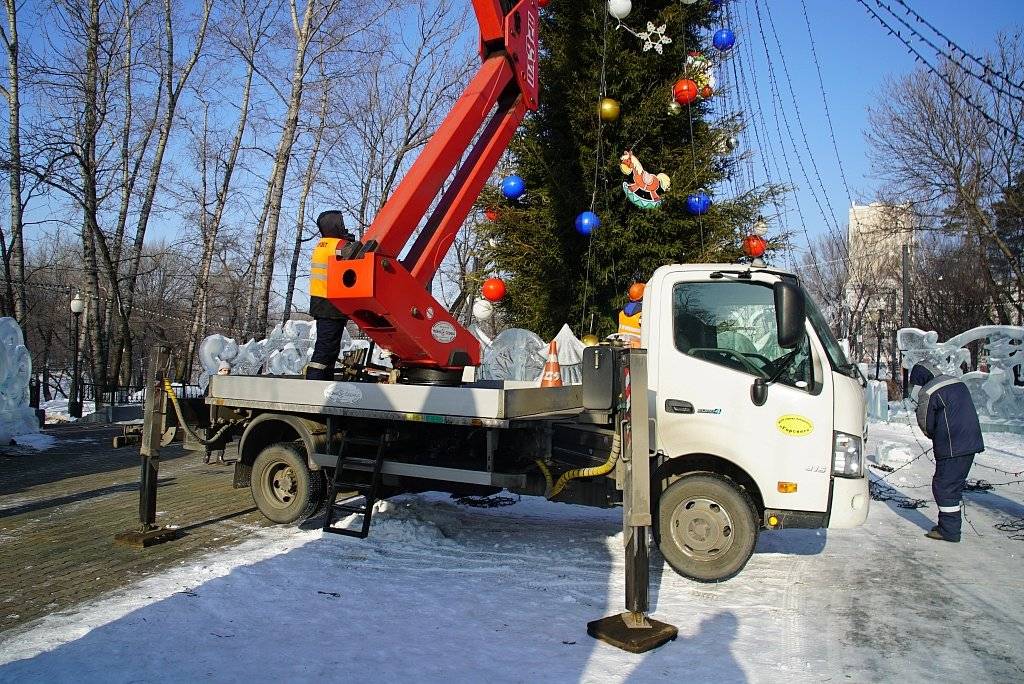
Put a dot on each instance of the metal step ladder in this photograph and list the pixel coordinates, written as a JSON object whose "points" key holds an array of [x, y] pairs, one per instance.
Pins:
{"points": [[366, 491]]}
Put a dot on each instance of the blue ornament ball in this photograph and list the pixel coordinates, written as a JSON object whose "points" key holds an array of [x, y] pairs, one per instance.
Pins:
{"points": [[587, 222], [724, 39], [513, 187], [698, 203]]}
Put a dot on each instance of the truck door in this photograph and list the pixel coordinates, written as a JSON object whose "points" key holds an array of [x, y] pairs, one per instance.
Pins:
{"points": [[715, 338]]}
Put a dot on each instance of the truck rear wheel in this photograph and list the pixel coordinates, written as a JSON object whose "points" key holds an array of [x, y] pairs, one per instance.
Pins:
{"points": [[283, 487], [707, 527]]}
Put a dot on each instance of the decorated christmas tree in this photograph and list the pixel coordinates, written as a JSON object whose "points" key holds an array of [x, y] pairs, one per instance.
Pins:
{"points": [[626, 130]]}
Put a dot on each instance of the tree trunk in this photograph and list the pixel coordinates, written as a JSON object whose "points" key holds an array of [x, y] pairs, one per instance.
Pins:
{"points": [[300, 223], [173, 93], [202, 295], [90, 203], [17, 252], [275, 189]]}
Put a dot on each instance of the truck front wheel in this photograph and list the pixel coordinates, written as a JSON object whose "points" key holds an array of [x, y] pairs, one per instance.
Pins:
{"points": [[283, 487], [707, 527]]}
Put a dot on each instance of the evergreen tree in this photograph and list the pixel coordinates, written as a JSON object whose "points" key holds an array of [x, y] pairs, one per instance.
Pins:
{"points": [[570, 162]]}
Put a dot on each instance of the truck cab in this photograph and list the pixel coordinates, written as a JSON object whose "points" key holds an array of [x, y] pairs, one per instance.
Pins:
{"points": [[738, 420]]}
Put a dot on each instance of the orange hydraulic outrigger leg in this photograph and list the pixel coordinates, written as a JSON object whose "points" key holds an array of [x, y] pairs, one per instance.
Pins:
{"points": [[387, 296]]}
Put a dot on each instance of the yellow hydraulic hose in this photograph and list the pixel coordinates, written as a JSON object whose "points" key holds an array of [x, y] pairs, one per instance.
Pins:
{"points": [[577, 473], [188, 428]]}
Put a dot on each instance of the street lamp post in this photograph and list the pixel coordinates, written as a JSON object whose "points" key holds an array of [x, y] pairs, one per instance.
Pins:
{"points": [[878, 343], [74, 397]]}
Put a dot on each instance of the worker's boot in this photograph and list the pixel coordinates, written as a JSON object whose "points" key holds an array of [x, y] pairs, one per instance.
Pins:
{"points": [[934, 533]]}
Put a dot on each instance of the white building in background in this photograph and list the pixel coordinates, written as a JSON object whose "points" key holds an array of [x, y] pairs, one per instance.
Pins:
{"points": [[877, 235]]}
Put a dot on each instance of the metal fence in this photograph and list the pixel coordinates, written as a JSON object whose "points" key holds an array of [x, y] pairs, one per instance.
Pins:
{"points": [[120, 395]]}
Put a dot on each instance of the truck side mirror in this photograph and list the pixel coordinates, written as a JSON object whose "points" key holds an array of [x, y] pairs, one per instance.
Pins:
{"points": [[790, 312]]}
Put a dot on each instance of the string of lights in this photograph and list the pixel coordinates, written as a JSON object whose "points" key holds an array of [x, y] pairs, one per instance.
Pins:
{"points": [[959, 93], [949, 55], [777, 108], [799, 117]]}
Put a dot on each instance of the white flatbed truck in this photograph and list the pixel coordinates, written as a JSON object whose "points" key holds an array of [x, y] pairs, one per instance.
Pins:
{"points": [[752, 419]]}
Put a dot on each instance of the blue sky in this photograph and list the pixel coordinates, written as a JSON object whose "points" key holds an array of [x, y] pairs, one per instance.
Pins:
{"points": [[856, 57]]}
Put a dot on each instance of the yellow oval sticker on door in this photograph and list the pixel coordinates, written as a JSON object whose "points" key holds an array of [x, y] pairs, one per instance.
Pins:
{"points": [[794, 426]]}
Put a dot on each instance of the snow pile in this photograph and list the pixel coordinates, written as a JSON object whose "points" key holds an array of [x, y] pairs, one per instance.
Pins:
{"points": [[16, 416], [57, 410], [995, 392]]}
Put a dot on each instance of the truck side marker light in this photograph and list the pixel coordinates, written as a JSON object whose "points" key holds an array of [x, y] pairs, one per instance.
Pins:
{"points": [[787, 487], [773, 521]]}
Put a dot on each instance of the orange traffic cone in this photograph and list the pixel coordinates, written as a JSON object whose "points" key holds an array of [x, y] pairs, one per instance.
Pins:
{"points": [[552, 376]]}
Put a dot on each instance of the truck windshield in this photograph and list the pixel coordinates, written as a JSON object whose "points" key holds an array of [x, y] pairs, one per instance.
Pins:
{"points": [[732, 324], [835, 354]]}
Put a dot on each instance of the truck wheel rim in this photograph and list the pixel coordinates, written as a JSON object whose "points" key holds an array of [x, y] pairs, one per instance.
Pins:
{"points": [[279, 485], [702, 529]]}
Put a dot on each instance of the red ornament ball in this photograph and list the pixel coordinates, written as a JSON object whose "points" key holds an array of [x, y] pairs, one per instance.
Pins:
{"points": [[685, 91], [706, 92], [493, 289], [491, 214], [543, 3], [754, 246]]}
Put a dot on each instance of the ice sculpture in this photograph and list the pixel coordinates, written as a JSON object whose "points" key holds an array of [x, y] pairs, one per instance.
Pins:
{"points": [[16, 416], [518, 354], [285, 351], [514, 354], [876, 396], [570, 356], [997, 392]]}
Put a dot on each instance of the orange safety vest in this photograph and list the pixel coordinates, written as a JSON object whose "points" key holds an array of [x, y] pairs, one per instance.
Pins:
{"points": [[324, 250], [629, 326]]}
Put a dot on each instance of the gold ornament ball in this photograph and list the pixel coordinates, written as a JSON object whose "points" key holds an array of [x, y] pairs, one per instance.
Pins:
{"points": [[609, 109], [674, 108], [590, 340]]}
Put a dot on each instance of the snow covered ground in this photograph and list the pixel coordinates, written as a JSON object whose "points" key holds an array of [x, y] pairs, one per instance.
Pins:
{"points": [[36, 440], [444, 592], [57, 410]]}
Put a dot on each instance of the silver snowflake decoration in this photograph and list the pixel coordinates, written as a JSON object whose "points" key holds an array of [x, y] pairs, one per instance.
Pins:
{"points": [[654, 37]]}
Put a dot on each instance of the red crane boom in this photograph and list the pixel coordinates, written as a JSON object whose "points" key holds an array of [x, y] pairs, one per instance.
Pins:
{"points": [[387, 297]]}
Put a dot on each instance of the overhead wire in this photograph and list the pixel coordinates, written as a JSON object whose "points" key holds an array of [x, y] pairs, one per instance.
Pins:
{"points": [[598, 159], [799, 117], [954, 46], [954, 90], [779, 112], [948, 55]]}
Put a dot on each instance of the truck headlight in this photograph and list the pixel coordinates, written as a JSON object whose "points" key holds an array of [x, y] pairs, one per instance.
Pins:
{"points": [[847, 455]]}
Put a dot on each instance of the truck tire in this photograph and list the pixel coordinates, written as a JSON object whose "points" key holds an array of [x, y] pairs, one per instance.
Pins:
{"points": [[707, 527], [283, 487]]}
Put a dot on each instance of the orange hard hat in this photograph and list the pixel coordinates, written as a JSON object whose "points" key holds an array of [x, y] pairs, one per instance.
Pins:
{"points": [[636, 292]]}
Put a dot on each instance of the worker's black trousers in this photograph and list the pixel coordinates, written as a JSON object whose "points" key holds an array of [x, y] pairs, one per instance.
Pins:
{"points": [[947, 487], [326, 349]]}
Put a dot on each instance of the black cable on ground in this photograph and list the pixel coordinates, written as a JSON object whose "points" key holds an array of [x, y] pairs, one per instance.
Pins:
{"points": [[495, 501]]}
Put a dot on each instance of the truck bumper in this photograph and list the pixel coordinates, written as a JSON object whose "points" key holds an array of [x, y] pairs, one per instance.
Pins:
{"points": [[850, 500]]}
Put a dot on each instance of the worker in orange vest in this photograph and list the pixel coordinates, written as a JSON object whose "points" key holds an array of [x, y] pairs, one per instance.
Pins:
{"points": [[631, 316], [330, 322]]}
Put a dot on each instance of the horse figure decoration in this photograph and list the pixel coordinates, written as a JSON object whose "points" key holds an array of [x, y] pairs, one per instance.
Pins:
{"points": [[643, 191]]}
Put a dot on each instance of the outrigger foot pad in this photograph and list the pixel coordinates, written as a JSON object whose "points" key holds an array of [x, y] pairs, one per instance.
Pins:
{"points": [[632, 632], [144, 538]]}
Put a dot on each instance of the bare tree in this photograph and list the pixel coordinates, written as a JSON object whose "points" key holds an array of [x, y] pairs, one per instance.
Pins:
{"points": [[950, 147], [308, 178], [174, 80], [14, 263], [397, 102]]}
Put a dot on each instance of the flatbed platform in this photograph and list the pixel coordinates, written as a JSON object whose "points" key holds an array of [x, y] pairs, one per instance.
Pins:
{"points": [[485, 403]]}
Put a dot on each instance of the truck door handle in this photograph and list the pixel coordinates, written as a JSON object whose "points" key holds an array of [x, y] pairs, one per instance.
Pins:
{"points": [[678, 406]]}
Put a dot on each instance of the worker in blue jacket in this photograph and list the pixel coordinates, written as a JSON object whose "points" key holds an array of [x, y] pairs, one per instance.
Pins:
{"points": [[947, 416]]}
